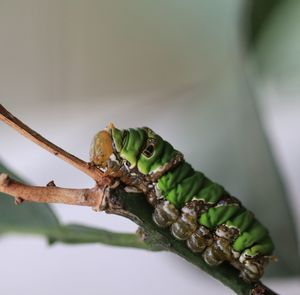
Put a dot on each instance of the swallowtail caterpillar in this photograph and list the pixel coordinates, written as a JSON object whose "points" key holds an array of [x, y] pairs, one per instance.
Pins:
{"points": [[197, 210]]}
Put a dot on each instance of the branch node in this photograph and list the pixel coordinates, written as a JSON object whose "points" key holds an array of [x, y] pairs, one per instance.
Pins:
{"points": [[103, 193], [51, 184], [4, 180]]}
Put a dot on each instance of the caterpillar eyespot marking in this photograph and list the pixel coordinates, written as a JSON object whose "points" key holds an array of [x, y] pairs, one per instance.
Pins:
{"points": [[197, 210], [149, 149]]}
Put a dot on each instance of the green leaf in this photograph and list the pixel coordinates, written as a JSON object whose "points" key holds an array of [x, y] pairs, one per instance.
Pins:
{"points": [[29, 218], [80, 234], [277, 49], [257, 14]]}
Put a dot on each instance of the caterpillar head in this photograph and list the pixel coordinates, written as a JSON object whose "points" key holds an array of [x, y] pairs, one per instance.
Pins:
{"points": [[139, 150], [101, 148]]}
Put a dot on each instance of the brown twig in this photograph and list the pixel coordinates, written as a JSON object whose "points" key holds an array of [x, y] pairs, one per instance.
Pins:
{"points": [[26, 131], [51, 194]]}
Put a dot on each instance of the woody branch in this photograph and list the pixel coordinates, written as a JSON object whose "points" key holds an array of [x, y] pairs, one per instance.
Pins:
{"points": [[29, 133], [51, 194]]}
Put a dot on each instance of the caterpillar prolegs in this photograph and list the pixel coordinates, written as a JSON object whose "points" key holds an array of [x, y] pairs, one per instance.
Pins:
{"points": [[197, 210]]}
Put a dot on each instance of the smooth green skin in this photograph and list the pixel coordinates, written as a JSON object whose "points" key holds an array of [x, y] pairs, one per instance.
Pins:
{"points": [[185, 190], [132, 146], [218, 215], [208, 191], [241, 221], [211, 192], [254, 234], [117, 136], [183, 183], [170, 179], [264, 247]]}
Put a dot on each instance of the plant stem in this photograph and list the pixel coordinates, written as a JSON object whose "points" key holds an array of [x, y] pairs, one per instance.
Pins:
{"points": [[79, 234], [50, 194]]}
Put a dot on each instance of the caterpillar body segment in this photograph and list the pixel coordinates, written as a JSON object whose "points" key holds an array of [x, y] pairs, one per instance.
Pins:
{"points": [[197, 210]]}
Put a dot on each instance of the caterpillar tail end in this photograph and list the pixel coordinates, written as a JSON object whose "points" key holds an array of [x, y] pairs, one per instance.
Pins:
{"points": [[252, 268]]}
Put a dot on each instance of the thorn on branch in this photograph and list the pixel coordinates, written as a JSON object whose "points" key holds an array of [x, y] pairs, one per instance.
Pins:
{"points": [[51, 183]]}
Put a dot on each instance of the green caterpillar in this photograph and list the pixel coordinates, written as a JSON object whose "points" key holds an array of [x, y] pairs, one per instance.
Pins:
{"points": [[211, 221]]}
